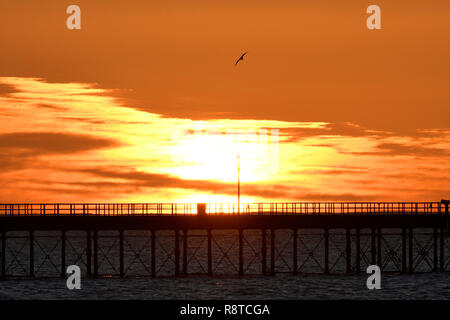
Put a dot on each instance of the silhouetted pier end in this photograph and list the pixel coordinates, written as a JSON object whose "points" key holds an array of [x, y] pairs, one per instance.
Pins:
{"points": [[446, 203], [40, 240]]}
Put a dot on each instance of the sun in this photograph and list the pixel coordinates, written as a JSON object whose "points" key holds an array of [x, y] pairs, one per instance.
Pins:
{"points": [[211, 154]]}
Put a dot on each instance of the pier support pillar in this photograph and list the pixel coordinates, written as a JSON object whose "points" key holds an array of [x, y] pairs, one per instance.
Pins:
{"points": [[348, 252], [121, 262], [95, 253], [326, 237], [272, 252], [3, 276], [373, 250], [441, 254], [358, 251], [263, 251], [404, 250], [410, 251], [88, 253], [209, 253], [241, 256], [177, 252], [379, 249], [185, 240], [153, 255], [63, 254], [31, 254], [435, 249], [295, 262]]}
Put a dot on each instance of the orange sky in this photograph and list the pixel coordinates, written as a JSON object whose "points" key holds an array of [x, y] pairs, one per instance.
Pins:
{"points": [[112, 112]]}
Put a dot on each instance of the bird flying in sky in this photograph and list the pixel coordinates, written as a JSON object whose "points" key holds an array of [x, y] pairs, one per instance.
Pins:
{"points": [[240, 58]]}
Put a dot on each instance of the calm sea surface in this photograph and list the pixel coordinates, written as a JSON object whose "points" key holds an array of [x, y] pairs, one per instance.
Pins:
{"points": [[422, 286]]}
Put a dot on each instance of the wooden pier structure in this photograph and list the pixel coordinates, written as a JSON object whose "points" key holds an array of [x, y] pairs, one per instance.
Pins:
{"points": [[177, 239]]}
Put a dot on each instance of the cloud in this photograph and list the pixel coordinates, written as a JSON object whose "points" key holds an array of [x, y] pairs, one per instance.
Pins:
{"points": [[341, 129], [11, 163], [348, 129], [6, 89], [19, 151], [399, 149], [339, 197], [48, 130], [158, 180], [136, 180], [332, 172], [50, 106], [408, 150], [53, 143]]}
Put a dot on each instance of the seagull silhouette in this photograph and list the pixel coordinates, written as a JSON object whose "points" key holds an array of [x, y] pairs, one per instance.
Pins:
{"points": [[241, 58]]}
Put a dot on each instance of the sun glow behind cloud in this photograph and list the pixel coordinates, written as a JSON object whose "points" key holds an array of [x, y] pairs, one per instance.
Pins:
{"points": [[77, 142]]}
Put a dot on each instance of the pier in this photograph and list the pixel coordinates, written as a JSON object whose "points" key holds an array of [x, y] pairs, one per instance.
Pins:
{"points": [[254, 239]]}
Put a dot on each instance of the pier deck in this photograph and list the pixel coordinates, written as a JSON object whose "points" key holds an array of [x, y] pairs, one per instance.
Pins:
{"points": [[255, 238]]}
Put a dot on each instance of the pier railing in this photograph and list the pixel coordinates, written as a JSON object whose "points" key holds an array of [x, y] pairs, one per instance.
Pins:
{"points": [[291, 208]]}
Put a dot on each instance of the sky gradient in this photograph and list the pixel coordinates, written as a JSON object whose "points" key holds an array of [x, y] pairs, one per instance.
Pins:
{"points": [[144, 103]]}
